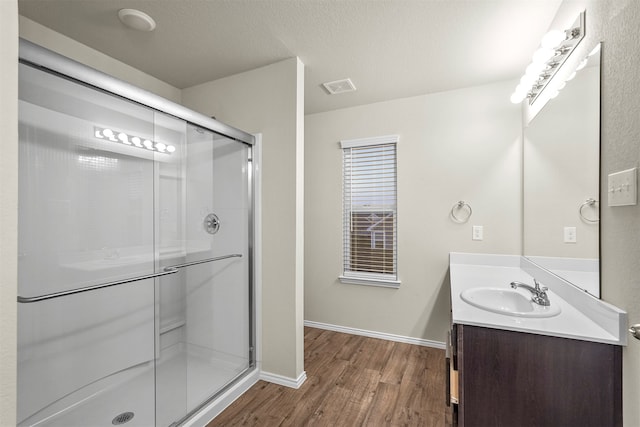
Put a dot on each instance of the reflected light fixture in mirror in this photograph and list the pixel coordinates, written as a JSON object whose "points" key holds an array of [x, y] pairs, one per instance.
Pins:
{"points": [[132, 140], [555, 48]]}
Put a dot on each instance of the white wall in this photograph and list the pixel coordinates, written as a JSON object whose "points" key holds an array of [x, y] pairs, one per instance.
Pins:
{"points": [[269, 100], [8, 208], [458, 145], [45, 37]]}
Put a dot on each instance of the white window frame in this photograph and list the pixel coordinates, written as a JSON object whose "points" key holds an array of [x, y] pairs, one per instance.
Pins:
{"points": [[361, 277]]}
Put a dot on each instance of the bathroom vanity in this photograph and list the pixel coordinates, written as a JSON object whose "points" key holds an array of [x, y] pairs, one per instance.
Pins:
{"points": [[514, 363]]}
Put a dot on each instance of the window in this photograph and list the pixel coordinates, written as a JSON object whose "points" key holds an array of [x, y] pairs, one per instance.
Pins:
{"points": [[370, 214]]}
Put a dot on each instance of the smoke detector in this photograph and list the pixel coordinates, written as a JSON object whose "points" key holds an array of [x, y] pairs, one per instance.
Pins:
{"points": [[339, 86]]}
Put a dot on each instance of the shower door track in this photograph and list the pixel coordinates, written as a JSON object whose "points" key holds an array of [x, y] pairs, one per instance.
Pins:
{"points": [[43, 58], [167, 270]]}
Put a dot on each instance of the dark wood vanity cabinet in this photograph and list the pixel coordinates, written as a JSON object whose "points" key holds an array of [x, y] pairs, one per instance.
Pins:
{"points": [[520, 379]]}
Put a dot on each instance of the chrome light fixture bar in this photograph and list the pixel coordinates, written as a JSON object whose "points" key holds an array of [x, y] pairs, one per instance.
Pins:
{"points": [[555, 48], [132, 140]]}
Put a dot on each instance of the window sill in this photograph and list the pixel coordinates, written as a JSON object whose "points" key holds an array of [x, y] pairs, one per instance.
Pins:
{"points": [[385, 283]]}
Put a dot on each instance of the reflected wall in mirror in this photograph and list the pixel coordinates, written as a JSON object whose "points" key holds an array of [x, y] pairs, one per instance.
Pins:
{"points": [[562, 181]]}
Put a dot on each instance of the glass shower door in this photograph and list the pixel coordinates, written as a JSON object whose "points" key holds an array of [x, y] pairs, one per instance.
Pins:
{"points": [[204, 310], [85, 219]]}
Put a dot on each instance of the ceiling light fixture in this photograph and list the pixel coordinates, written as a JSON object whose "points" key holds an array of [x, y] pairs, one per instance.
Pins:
{"points": [[555, 48], [136, 20]]}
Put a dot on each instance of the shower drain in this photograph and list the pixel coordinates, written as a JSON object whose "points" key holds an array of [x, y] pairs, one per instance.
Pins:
{"points": [[125, 417]]}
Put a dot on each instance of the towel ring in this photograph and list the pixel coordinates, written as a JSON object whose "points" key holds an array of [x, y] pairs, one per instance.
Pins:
{"points": [[589, 202], [461, 205]]}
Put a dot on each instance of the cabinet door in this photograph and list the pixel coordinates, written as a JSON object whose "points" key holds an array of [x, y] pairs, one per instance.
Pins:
{"points": [[520, 379]]}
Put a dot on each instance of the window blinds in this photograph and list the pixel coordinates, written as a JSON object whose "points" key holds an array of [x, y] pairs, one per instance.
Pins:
{"points": [[370, 208]]}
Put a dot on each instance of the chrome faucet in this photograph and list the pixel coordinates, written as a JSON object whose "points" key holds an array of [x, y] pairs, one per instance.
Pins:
{"points": [[539, 294]]}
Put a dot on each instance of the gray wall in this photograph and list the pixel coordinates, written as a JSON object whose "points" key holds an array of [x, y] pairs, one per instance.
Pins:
{"points": [[620, 235], [269, 100], [456, 145]]}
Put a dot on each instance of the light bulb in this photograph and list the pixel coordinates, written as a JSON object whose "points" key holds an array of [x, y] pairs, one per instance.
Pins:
{"points": [[107, 132], [542, 55], [553, 94], [571, 76], [136, 141], [517, 98], [582, 64], [148, 144], [521, 91], [124, 138], [99, 134], [161, 147], [562, 85], [171, 148], [534, 69], [528, 80], [553, 39]]}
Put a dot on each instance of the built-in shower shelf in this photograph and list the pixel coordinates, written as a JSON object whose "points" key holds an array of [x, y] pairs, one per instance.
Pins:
{"points": [[170, 326]]}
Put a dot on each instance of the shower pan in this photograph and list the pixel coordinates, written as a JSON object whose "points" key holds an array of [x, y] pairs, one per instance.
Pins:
{"points": [[135, 234]]}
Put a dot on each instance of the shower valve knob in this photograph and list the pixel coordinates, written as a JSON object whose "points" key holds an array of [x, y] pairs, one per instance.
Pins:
{"points": [[211, 223]]}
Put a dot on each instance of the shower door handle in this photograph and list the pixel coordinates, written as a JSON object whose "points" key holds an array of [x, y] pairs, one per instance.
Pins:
{"points": [[203, 261], [168, 270]]}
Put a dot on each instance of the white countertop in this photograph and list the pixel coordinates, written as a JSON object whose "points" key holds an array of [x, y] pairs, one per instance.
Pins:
{"points": [[582, 316]]}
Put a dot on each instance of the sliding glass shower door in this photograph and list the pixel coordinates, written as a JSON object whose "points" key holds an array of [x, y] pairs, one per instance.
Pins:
{"points": [[135, 302], [205, 309]]}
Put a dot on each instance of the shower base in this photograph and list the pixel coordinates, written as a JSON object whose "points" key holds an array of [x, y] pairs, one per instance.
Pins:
{"points": [[107, 402]]}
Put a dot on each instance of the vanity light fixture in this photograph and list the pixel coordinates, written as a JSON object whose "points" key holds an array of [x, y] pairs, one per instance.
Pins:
{"points": [[555, 48], [132, 140]]}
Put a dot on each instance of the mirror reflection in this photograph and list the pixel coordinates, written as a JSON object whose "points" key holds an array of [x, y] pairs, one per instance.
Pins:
{"points": [[562, 183]]}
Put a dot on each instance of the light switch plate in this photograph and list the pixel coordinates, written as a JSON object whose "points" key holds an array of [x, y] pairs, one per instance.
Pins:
{"points": [[622, 188]]}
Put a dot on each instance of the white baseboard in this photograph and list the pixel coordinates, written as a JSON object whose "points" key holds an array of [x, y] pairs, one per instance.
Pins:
{"points": [[373, 334], [282, 380]]}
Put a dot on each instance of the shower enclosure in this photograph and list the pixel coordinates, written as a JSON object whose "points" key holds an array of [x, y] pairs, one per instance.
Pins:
{"points": [[136, 301]]}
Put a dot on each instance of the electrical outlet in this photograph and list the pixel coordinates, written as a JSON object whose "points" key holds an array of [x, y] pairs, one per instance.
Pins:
{"points": [[622, 188], [477, 232], [570, 235]]}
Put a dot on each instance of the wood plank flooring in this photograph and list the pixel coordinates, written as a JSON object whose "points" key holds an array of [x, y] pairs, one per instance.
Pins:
{"points": [[351, 381]]}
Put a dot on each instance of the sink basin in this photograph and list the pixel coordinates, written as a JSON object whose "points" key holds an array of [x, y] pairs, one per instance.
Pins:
{"points": [[508, 302]]}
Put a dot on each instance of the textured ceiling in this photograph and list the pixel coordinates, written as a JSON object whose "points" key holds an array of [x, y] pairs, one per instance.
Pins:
{"points": [[389, 48]]}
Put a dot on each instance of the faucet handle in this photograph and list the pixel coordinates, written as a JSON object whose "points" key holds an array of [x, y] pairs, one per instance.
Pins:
{"points": [[540, 288]]}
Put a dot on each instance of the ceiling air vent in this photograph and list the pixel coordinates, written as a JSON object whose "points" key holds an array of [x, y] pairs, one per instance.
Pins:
{"points": [[339, 86]]}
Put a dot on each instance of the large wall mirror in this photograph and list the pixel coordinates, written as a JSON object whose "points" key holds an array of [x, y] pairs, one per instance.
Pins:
{"points": [[562, 180]]}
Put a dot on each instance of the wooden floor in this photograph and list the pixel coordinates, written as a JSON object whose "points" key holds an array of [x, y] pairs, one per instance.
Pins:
{"points": [[351, 381]]}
